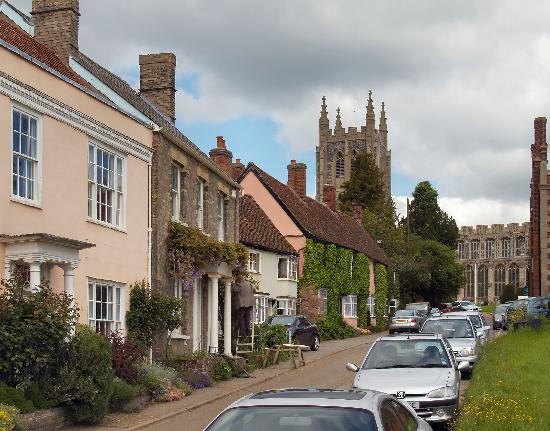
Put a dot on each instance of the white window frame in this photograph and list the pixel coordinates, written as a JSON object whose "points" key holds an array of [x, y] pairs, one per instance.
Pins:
{"points": [[349, 306], [200, 203], [251, 268], [291, 268], [371, 304], [118, 299], [177, 292], [221, 216], [287, 306], [323, 300], [36, 161], [260, 308], [175, 191], [118, 207]]}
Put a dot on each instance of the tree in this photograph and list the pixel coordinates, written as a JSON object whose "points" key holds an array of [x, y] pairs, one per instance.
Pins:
{"points": [[365, 186], [428, 220]]}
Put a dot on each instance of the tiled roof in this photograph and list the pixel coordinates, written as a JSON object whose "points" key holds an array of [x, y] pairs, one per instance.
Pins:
{"points": [[142, 104], [318, 221], [257, 230], [28, 45], [46, 237]]}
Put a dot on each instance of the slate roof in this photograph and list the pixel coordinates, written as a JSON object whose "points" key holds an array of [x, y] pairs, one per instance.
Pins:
{"points": [[38, 51], [256, 229], [318, 221]]}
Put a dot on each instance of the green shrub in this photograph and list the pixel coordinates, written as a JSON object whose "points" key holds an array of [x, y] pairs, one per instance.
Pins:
{"points": [[222, 370], [508, 293], [269, 336], [16, 397], [334, 328], [123, 392], [86, 377], [185, 387], [160, 381], [36, 391]]}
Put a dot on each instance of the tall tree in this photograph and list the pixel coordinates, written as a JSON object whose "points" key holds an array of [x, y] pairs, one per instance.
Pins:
{"points": [[365, 186], [428, 220]]}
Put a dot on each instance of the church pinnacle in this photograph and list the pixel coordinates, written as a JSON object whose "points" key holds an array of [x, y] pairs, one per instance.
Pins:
{"points": [[371, 119], [338, 119], [383, 127], [323, 120]]}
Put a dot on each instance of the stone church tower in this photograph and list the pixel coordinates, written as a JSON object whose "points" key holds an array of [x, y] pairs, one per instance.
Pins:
{"points": [[337, 148]]}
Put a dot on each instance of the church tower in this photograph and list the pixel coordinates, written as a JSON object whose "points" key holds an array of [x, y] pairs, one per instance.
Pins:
{"points": [[338, 148]]}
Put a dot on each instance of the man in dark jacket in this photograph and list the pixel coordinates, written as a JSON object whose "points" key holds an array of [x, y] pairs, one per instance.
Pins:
{"points": [[245, 301]]}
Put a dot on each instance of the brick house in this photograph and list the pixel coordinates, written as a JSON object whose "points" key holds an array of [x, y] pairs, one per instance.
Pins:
{"points": [[186, 185]]}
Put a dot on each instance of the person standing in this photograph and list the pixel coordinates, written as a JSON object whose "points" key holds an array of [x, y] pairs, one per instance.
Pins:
{"points": [[245, 301]]}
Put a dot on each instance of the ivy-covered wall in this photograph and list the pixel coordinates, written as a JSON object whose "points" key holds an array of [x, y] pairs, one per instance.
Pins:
{"points": [[381, 293], [340, 271]]}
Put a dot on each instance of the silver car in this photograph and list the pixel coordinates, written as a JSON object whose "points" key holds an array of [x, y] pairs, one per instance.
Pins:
{"points": [[476, 318], [460, 333], [318, 410], [406, 321], [418, 369]]}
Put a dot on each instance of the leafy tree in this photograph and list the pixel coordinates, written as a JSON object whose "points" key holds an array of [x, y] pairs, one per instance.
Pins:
{"points": [[366, 185], [428, 220]]}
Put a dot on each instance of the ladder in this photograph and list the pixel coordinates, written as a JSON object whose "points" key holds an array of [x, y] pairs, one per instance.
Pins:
{"points": [[245, 344]]}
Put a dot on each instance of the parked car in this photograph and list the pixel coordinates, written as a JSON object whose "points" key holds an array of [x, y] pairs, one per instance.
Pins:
{"points": [[511, 308], [462, 336], [498, 314], [435, 312], [301, 330], [446, 307], [407, 321], [538, 307], [420, 306], [477, 320], [464, 306], [318, 410], [419, 369]]}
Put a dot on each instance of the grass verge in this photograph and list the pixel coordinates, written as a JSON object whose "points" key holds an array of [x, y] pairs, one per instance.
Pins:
{"points": [[488, 308], [509, 387]]}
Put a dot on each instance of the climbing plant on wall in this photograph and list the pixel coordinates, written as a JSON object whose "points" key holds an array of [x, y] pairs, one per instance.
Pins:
{"points": [[381, 293], [361, 283]]}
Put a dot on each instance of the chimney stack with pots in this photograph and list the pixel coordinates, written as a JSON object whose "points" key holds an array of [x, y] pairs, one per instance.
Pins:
{"points": [[329, 196], [222, 156], [56, 25], [357, 213], [238, 168], [157, 81], [297, 177]]}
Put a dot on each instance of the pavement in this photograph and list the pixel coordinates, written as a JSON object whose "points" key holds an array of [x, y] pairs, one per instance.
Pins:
{"points": [[324, 368]]}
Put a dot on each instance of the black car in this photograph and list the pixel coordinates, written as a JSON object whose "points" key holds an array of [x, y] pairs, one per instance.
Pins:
{"points": [[301, 330]]}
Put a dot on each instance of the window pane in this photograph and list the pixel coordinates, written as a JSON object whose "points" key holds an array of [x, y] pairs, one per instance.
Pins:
{"points": [[15, 140], [24, 145], [283, 268], [16, 121], [33, 128], [24, 124]]}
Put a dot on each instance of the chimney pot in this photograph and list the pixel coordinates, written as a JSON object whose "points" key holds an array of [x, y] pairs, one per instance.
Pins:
{"points": [[297, 177], [357, 213], [220, 142], [157, 81], [222, 157]]}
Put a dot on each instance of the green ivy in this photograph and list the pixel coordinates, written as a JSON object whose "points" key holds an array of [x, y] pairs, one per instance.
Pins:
{"points": [[361, 285], [381, 293]]}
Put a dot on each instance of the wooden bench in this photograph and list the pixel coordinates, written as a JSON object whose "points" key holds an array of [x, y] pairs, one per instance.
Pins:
{"points": [[295, 351]]}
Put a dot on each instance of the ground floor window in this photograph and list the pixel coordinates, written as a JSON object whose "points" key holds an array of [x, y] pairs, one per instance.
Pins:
{"points": [[286, 306], [178, 293], [105, 306], [371, 305], [323, 300], [349, 306], [260, 314]]}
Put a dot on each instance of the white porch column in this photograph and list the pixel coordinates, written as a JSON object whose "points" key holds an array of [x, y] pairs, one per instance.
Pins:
{"points": [[209, 313], [213, 314], [196, 316], [34, 275], [227, 319], [68, 277], [7, 269]]}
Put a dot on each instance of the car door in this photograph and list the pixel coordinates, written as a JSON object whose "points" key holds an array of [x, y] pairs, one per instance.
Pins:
{"points": [[396, 417], [305, 330]]}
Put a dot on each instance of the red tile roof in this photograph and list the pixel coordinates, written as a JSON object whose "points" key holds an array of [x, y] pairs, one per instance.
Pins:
{"points": [[28, 45], [318, 221], [257, 230]]}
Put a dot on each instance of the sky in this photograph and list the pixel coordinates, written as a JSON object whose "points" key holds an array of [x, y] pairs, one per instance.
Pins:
{"points": [[462, 83]]}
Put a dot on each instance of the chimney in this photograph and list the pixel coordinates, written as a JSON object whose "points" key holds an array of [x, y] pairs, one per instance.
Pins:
{"points": [[540, 146], [56, 25], [222, 156], [238, 168], [297, 177], [357, 213], [157, 81], [329, 196]]}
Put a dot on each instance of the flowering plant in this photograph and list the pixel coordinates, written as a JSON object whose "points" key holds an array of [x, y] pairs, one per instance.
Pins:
{"points": [[8, 417]]}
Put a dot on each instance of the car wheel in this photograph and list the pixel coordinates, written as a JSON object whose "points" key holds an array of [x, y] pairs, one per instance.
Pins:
{"points": [[316, 343]]}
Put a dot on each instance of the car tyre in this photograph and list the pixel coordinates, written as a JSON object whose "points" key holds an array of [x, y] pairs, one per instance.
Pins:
{"points": [[316, 344]]}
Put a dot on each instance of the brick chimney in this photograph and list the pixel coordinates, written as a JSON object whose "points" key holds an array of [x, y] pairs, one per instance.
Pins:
{"points": [[329, 196], [238, 168], [222, 156], [157, 81], [56, 25], [297, 177], [357, 213]]}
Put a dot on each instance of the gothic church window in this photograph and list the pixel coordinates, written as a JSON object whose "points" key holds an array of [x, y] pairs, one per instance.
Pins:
{"points": [[513, 275], [499, 279], [339, 165], [469, 288], [483, 282]]}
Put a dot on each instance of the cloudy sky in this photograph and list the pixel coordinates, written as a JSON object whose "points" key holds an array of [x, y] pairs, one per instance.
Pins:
{"points": [[462, 82]]}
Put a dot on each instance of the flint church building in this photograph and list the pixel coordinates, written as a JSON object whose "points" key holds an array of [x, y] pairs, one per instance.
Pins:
{"points": [[337, 149]]}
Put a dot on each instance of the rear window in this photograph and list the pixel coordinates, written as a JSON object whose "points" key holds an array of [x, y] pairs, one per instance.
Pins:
{"points": [[450, 328], [404, 313], [501, 309], [291, 418], [411, 353], [282, 320]]}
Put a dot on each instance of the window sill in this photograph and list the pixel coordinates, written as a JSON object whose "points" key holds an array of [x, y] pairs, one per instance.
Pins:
{"points": [[107, 225], [27, 202], [287, 279]]}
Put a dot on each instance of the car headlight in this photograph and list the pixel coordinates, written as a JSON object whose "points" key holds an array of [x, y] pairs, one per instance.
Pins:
{"points": [[447, 391], [466, 351]]}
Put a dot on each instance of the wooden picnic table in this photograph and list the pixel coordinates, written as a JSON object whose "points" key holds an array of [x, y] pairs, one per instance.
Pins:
{"points": [[295, 351]]}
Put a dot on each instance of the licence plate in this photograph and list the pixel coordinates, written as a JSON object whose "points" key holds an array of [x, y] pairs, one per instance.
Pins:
{"points": [[401, 321], [414, 404]]}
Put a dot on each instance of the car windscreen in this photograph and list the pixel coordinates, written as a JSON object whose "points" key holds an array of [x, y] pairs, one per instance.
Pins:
{"points": [[450, 328], [290, 418], [476, 320], [282, 320], [404, 313], [407, 353]]}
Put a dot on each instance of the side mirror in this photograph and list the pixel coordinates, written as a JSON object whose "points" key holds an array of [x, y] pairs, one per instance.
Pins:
{"points": [[462, 365], [352, 367]]}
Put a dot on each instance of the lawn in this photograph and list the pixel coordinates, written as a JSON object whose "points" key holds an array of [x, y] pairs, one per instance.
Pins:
{"points": [[488, 308], [509, 387]]}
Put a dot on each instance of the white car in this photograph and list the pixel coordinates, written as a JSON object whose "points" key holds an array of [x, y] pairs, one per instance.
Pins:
{"points": [[318, 410], [477, 320], [466, 305]]}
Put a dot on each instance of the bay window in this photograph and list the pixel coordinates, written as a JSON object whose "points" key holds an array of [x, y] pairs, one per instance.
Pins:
{"points": [[288, 268], [105, 186], [349, 306], [24, 156], [175, 192], [254, 261], [105, 312], [260, 315], [286, 306]]}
